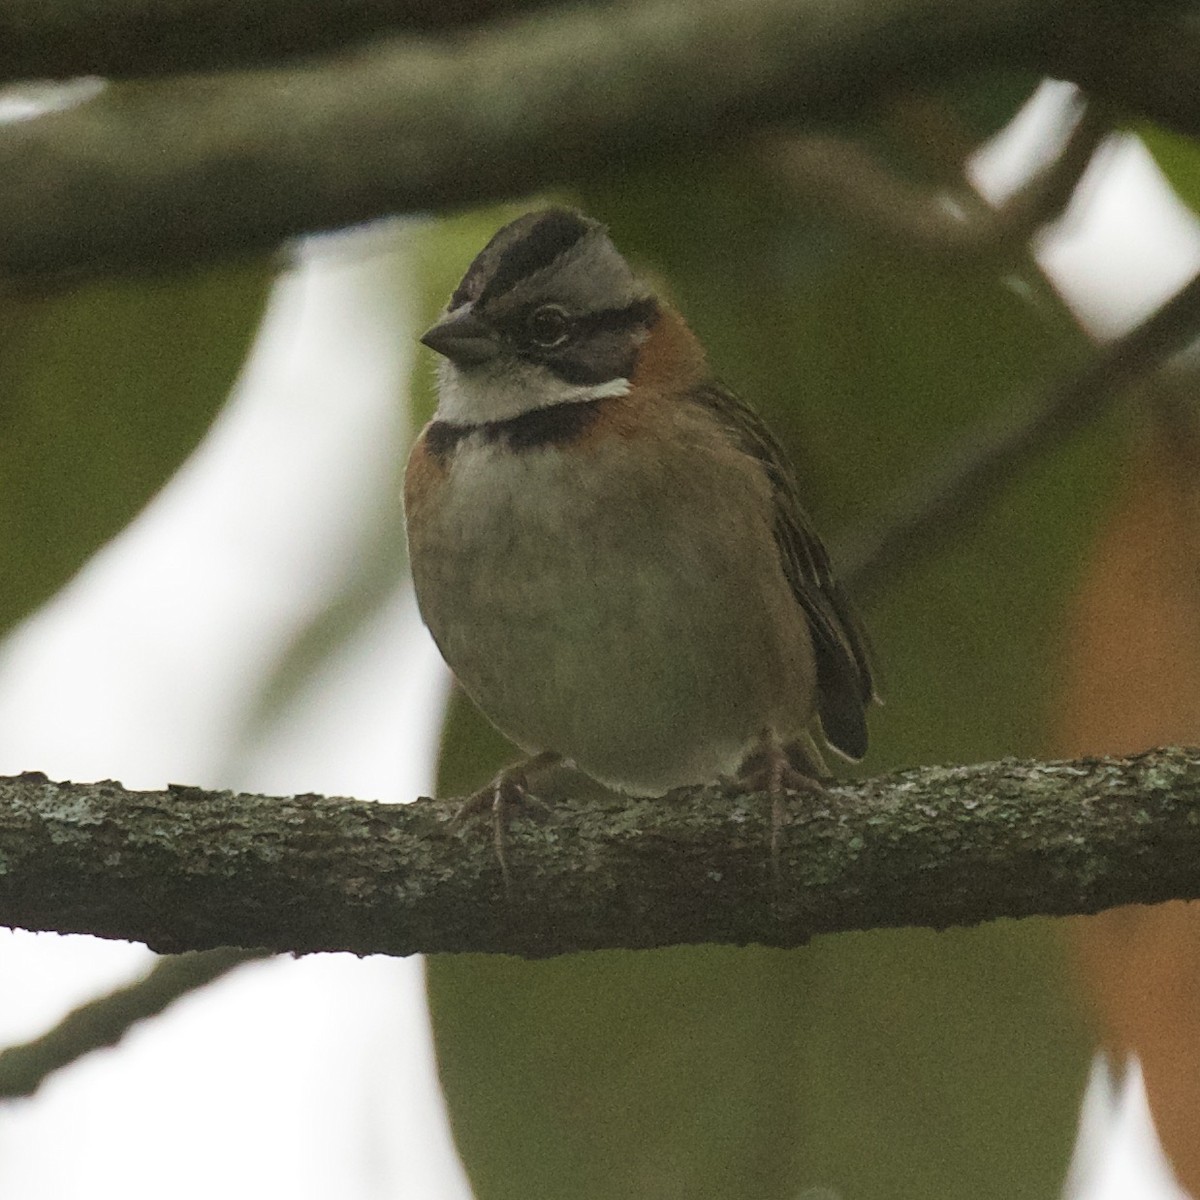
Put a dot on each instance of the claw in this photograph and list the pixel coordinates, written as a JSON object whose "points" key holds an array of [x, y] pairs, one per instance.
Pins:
{"points": [[776, 769], [508, 791]]}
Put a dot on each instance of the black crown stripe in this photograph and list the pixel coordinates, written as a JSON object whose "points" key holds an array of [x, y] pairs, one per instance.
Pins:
{"points": [[556, 232]]}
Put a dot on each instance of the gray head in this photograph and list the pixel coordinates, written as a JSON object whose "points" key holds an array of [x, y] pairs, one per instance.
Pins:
{"points": [[548, 313]]}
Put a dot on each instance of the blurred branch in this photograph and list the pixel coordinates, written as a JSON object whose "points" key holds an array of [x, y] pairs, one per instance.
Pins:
{"points": [[1135, 54], [991, 456], [190, 169], [933, 846], [844, 176], [56, 39], [140, 38], [105, 1020]]}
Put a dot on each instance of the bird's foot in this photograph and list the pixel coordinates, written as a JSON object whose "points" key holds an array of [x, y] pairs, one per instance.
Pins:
{"points": [[781, 771], [500, 798]]}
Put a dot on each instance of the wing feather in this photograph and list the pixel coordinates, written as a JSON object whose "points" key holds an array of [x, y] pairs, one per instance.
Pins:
{"points": [[845, 687]]}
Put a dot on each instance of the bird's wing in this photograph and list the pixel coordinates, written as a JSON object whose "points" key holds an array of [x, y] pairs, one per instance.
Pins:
{"points": [[844, 683]]}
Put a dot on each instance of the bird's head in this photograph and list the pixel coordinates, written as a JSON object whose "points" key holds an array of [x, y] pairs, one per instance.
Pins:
{"points": [[548, 313]]}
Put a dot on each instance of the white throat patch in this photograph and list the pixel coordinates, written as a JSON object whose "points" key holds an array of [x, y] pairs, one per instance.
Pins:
{"points": [[497, 391]]}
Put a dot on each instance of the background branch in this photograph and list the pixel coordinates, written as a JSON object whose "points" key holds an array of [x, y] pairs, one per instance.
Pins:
{"points": [[106, 1020], [1138, 56], [847, 179], [128, 38], [140, 38], [201, 167], [988, 458], [933, 846]]}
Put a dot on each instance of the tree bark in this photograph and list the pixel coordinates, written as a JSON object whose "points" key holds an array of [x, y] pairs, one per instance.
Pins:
{"points": [[188, 869]]}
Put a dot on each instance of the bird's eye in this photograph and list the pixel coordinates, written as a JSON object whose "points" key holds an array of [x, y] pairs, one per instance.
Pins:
{"points": [[548, 326]]}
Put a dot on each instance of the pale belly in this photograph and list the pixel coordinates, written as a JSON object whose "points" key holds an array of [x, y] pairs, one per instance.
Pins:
{"points": [[640, 628]]}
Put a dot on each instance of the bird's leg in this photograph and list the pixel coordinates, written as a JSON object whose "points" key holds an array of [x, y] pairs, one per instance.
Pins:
{"points": [[777, 769], [508, 790]]}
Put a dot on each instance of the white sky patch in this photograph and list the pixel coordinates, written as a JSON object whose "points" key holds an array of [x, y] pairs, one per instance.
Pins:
{"points": [[1126, 242]]}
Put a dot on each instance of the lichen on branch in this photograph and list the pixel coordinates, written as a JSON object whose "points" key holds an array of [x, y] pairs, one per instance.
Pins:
{"points": [[187, 869]]}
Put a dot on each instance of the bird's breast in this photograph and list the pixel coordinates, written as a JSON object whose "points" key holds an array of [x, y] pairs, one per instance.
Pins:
{"points": [[619, 604]]}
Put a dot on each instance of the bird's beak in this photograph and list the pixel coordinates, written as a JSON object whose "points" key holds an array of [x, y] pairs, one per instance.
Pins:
{"points": [[463, 338]]}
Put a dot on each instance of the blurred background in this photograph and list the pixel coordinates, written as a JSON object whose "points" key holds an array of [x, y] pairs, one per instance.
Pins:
{"points": [[205, 583]]}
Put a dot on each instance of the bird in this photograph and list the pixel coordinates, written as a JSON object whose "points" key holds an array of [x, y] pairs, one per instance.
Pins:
{"points": [[608, 545]]}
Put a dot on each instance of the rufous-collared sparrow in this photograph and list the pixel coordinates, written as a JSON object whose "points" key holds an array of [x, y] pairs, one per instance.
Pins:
{"points": [[608, 546]]}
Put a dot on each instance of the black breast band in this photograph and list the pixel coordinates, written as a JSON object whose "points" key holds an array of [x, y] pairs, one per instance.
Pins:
{"points": [[555, 425]]}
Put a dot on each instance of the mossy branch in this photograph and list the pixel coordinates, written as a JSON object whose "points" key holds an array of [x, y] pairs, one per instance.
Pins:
{"points": [[187, 869]]}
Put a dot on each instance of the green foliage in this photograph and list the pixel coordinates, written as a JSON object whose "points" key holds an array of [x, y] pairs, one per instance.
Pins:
{"points": [[103, 392], [1178, 158], [882, 1064], [892, 1064]]}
